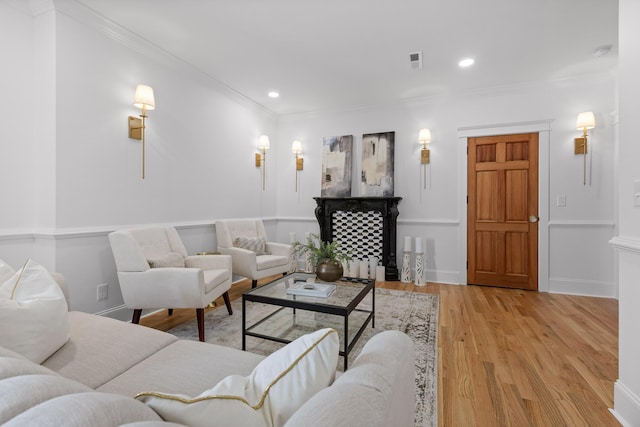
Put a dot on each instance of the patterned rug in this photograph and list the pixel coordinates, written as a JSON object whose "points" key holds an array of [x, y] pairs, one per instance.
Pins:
{"points": [[415, 314]]}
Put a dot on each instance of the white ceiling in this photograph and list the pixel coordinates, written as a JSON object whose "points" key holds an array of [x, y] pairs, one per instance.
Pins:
{"points": [[325, 54]]}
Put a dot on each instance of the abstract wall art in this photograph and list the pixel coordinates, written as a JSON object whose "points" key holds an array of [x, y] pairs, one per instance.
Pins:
{"points": [[377, 164], [336, 166]]}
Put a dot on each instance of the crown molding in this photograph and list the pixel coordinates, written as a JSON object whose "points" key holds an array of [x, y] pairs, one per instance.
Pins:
{"points": [[126, 37]]}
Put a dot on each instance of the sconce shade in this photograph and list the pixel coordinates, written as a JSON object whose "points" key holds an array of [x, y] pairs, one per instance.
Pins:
{"points": [[263, 142], [296, 147], [144, 97], [586, 120], [424, 136]]}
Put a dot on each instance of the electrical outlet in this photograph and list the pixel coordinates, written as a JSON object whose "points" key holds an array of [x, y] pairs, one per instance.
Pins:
{"points": [[103, 291], [562, 201]]}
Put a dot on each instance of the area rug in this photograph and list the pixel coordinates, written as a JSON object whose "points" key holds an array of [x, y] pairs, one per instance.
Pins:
{"points": [[415, 314]]}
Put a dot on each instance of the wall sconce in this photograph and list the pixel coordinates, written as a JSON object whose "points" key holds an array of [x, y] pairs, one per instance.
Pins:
{"points": [[424, 138], [585, 121], [261, 159], [296, 148], [144, 99]]}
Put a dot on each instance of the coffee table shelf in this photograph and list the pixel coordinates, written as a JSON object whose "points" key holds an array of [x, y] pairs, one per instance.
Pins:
{"points": [[299, 315]]}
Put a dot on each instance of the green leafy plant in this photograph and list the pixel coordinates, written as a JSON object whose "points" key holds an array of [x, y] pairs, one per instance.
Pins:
{"points": [[320, 251]]}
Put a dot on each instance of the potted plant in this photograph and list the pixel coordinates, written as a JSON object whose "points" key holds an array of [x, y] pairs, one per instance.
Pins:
{"points": [[326, 256]]}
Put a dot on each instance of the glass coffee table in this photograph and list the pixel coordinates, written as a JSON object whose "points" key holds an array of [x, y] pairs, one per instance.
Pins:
{"points": [[343, 311]]}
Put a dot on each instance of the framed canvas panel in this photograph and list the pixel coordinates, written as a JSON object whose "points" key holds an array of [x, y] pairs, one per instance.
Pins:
{"points": [[377, 164], [336, 166]]}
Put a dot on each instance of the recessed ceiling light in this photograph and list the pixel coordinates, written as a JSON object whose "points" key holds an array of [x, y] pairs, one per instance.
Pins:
{"points": [[467, 62], [273, 94]]}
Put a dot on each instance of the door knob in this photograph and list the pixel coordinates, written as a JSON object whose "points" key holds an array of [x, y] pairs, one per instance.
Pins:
{"points": [[533, 218]]}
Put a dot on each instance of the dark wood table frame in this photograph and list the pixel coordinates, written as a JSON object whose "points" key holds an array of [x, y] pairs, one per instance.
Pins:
{"points": [[308, 305]]}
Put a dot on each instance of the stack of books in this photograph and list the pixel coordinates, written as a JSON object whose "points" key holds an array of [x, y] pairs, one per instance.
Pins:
{"points": [[309, 289]]}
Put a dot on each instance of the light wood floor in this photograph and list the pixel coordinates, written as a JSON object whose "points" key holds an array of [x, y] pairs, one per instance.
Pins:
{"points": [[510, 357]]}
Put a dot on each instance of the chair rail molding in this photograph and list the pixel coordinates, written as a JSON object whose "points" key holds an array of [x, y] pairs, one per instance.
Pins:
{"points": [[627, 244]]}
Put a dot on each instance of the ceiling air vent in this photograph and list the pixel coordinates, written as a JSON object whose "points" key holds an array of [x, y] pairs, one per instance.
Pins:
{"points": [[415, 60]]}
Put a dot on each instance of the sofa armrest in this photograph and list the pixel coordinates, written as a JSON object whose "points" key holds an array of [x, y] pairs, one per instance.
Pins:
{"points": [[281, 249], [163, 288], [209, 262], [377, 390]]}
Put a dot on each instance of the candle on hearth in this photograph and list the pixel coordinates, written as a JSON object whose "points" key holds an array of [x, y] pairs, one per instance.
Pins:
{"points": [[292, 237], [380, 273], [364, 269], [407, 243], [307, 236], [419, 248]]}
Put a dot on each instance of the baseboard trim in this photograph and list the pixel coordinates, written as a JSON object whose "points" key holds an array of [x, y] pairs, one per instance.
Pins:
{"points": [[580, 287], [120, 312], [626, 405]]}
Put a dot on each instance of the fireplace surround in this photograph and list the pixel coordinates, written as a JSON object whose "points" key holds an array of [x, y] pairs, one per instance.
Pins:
{"points": [[364, 225]]}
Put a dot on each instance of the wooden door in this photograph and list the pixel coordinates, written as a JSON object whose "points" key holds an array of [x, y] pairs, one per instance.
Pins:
{"points": [[502, 211]]}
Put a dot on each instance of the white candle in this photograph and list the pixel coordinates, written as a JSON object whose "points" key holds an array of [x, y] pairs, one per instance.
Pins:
{"points": [[373, 263], [364, 269], [292, 237], [407, 243], [419, 248], [380, 273], [354, 268]]}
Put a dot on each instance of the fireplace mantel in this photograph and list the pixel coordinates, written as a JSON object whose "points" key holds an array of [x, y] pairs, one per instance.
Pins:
{"points": [[386, 207]]}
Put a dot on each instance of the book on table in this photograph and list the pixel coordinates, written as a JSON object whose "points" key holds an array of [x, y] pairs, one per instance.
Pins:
{"points": [[311, 289]]}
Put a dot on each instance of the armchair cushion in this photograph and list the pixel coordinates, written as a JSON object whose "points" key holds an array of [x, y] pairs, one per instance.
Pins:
{"points": [[268, 261], [170, 259], [256, 244]]}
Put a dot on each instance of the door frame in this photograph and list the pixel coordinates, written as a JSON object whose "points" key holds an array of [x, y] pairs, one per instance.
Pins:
{"points": [[543, 128]]}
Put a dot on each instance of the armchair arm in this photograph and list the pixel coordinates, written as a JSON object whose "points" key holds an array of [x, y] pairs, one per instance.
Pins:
{"points": [[281, 249], [209, 262], [163, 288], [243, 260]]}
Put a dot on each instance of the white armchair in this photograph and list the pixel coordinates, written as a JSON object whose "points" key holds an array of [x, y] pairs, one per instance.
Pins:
{"points": [[155, 271], [254, 263]]}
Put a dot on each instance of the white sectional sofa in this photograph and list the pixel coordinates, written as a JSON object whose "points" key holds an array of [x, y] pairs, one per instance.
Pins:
{"points": [[93, 378]]}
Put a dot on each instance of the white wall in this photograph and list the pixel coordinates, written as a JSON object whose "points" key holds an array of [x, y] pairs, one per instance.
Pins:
{"points": [[627, 388], [581, 261], [84, 177], [201, 140], [16, 110]]}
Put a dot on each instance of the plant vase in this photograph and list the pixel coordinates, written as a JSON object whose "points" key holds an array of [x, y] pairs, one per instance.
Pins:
{"points": [[329, 270]]}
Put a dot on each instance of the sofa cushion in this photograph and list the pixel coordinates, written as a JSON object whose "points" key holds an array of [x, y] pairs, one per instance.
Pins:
{"points": [[32, 395], [194, 367], [84, 409], [275, 389], [33, 312], [254, 244], [92, 357]]}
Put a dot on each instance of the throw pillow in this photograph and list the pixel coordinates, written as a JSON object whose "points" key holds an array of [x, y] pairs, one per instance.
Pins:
{"points": [[257, 244], [171, 259], [33, 312], [269, 396], [6, 271]]}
